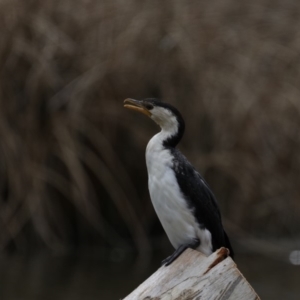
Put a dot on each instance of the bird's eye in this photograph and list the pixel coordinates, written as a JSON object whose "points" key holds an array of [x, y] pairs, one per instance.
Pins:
{"points": [[148, 106]]}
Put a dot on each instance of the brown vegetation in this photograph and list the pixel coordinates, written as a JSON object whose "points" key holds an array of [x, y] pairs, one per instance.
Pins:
{"points": [[72, 168]]}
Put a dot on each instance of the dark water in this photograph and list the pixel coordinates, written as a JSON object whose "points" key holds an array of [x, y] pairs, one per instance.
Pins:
{"points": [[49, 277]]}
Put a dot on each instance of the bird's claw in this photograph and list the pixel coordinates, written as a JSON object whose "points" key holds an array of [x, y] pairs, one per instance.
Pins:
{"points": [[166, 260], [193, 244]]}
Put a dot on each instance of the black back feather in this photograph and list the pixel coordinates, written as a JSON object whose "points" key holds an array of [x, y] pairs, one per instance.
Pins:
{"points": [[200, 199]]}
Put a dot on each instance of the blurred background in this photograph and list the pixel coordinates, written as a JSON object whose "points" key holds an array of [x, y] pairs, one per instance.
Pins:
{"points": [[76, 218]]}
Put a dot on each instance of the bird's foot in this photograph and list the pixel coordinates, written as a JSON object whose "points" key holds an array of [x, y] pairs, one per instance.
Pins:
{"points": [[193, 244], [166, 260]]}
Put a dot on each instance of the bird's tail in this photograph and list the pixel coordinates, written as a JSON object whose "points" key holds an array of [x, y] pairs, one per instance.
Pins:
{"points": [[228, 245]]}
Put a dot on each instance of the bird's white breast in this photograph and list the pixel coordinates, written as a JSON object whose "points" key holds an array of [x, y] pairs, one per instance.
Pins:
{"points": [[172, 210]]}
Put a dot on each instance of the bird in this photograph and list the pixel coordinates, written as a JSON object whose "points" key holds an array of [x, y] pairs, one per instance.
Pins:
{"points": [[183, 201]]}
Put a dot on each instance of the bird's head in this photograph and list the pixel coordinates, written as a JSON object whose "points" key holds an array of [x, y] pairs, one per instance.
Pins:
{"points": [[163, 114]]}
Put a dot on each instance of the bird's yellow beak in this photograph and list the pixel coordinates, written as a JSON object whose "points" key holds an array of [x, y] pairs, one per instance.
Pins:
{"points": [[137, 106]]}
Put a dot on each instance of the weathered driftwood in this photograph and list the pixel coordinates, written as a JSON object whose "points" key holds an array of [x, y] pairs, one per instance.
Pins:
{"points": [[195, 276]]}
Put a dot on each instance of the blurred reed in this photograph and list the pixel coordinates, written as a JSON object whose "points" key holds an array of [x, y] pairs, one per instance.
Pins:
{"points": [[72, 169]]}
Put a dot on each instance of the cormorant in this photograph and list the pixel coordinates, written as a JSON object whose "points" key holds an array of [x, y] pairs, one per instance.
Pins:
{"points": [[183, 201]]}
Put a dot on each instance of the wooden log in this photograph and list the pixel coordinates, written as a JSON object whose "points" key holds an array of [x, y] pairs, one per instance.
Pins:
{"points": [[195, 276]]}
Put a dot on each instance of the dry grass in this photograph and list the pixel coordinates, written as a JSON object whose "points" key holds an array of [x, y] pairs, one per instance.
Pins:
{"points": [[72, 160]]}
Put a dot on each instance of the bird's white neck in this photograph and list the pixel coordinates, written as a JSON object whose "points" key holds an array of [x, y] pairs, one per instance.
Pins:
{"points": [[158, 140], [158, 149], [157, 155]]}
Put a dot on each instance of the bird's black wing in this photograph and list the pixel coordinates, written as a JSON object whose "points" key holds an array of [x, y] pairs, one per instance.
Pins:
{"points": [[201, 199]]}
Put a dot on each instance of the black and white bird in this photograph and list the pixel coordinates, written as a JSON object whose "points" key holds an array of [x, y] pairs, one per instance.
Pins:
{"points": [[184, 203]]}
